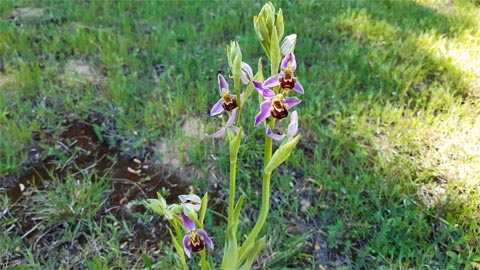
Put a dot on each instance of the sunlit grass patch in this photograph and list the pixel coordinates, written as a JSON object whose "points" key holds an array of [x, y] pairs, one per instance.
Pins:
{"points": [[460, 53]]}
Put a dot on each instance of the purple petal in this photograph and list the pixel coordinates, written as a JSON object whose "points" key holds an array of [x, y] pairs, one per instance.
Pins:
{"points": [[222, 84], [272, 81], [288, 44], [217, 108], [265, 92], [207, 239], [298, 87], [247, 74], [289, 58], [264, 112], [232, 118], [293, 126], [219, 134], [291, 101], [188, 223], [235, 129], [274, 136], [186, 247]]}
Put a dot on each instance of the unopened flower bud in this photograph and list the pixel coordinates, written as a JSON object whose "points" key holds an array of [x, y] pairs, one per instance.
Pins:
{"points": [[247, 74], [288, 44], [234, 55]]}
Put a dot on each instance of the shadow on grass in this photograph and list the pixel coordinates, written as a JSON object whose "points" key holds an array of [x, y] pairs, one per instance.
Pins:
{"points": [[373, 55]]}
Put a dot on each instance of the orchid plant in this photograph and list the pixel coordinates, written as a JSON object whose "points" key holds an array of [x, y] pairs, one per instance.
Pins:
{"points": [[275, 105]]}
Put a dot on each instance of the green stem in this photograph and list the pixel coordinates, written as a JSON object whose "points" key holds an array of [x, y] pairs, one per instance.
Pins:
{"points": [[203, 256], [262, 217], [238, 116], [236, 85], [231, 200], [268, 143], [231, 239]]}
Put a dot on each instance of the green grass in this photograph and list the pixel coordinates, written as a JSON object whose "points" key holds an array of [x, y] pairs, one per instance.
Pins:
{"points": [[387, 168]]}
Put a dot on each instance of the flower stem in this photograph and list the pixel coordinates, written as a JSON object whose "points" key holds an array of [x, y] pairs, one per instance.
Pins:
{"points": [[268, 144], [230, 255], [231, 200], [203, 258], [262, 217]]}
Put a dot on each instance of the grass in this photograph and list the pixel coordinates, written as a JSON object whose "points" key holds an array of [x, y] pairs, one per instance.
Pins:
{"points": [[387, 168]]}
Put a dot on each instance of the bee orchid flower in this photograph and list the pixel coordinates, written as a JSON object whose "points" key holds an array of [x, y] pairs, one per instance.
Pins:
{"points": [[286, 78], [227, 102], [275, 107], [229, 125], [291, 130], [195, 239]]}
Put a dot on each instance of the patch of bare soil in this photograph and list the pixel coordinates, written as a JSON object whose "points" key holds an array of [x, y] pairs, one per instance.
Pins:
{"points": [[132, 178]]}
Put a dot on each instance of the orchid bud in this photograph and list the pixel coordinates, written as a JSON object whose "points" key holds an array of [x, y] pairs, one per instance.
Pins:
{"points": [[247, 74], [265, 24], [279, 24], [288, 44], [234, 55], [160, 207]]}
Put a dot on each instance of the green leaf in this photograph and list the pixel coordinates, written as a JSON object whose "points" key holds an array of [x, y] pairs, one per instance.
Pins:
{"points": [[274, 52], [235, 146], [98, 131], [475, 258], [280, 24], [203, 209], [230, 255], [282, 153], [252, 252], [178, 248], [236, 211], [146, 260]]}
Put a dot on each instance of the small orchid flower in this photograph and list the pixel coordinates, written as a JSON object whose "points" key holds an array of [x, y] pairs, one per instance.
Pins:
{"points": [[275, 107], [288, 44], [194, 240], [231, 120], [247, 74], [291, 130], [226, 102], [285, 78]]}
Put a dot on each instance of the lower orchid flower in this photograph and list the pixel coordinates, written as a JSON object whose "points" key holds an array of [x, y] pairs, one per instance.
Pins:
{"points": [[227, 102], [195, 239], [231, 120], [291, 130], [275, 107]]}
